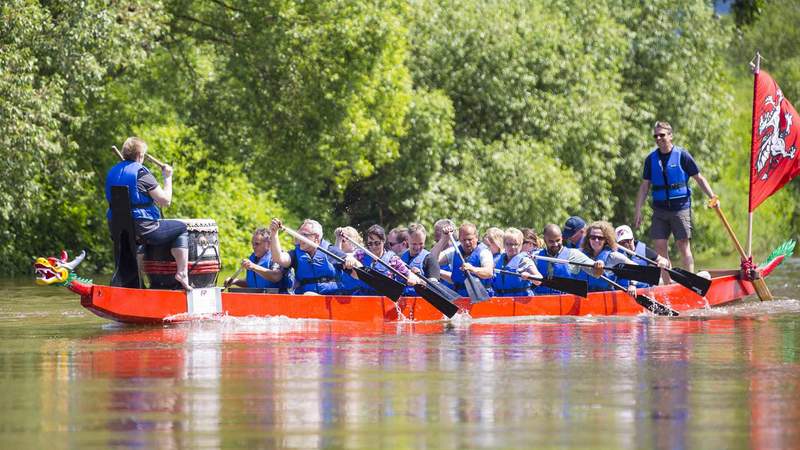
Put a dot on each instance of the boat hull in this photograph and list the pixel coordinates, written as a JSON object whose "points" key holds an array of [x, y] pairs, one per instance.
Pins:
{"points": [[156, 306]]}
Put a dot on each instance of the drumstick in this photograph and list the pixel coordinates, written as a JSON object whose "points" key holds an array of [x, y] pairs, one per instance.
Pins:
{"points": [[147, 156]]}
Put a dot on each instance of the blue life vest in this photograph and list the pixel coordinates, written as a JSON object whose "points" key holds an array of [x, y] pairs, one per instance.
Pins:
{"points": [[349, 285], [418, 262], [505, 285], [459, 277], [126, 173], [598, 284], [669, 183], [378, 267], [317, 274], [551, 269], [257, 281]]}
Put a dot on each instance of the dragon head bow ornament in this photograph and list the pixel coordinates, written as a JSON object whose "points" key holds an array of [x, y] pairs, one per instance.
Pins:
{"points": [[59, 272]]}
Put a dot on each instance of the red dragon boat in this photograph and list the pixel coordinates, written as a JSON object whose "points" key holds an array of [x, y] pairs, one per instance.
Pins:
{"points": [[155, 306]]}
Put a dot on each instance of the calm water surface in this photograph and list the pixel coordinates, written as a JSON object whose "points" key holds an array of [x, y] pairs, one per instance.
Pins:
{"points": [[725, 378]]}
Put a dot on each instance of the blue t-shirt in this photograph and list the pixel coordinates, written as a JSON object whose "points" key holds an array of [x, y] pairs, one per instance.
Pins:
{"points": [[687, 164]]}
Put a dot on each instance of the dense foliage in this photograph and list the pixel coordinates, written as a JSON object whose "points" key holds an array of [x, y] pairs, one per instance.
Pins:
{"points": [[512, 112]]}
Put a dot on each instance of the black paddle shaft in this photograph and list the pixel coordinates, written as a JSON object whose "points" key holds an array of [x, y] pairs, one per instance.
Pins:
{"points": [[645, 302], [568, 285], [692, 281]]}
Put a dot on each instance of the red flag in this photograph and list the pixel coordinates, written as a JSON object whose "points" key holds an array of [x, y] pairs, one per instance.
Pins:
{"points": [[776, 130]]}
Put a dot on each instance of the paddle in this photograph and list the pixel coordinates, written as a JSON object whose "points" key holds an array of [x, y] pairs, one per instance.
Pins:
{"points": [[228, 283], [568, 285], [645, 302], [475, 289], [436, 296], [386, 286], [692, 281], [646, 274]]}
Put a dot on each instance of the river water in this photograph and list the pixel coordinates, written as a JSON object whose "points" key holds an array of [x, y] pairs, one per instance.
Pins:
{"points": [[721, 378]]}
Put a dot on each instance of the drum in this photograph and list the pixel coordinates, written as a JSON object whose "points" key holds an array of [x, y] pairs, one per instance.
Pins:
{"points": [[204, 259]]}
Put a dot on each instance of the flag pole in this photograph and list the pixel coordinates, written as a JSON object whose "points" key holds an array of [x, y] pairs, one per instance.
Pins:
{"points": [[748, 268], [755, 66]]}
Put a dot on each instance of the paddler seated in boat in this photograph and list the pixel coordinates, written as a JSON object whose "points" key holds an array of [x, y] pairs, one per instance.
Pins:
{"points": [[531, 242], [315, 272], [477, 258], [145, 193], [262, 272], [600, 244], [444, 268], [397, 240], [348, 284], [417, 257], [493, 240], [376, 243], [626, 239], [514, 260], [554, 248], [573, 232]]}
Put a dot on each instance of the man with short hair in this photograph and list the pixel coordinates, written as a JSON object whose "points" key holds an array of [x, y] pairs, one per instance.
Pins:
{"points": [[573, 232], [667, 170], [554, 248], [262, 272], [397, 240], [477, 260]]}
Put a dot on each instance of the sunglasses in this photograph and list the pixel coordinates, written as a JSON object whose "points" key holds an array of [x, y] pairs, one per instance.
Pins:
{"points": [[659, 135], [597, 238]]}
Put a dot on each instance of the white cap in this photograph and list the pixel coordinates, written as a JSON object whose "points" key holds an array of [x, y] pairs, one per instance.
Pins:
{"points": [[624, 233]]}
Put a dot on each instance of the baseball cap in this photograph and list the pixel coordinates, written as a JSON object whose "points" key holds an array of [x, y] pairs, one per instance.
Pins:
{"points": [[624, 233], [572, 226]]}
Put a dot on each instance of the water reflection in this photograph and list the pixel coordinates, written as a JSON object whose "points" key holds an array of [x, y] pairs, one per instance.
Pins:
{"points": [[279, 383]]}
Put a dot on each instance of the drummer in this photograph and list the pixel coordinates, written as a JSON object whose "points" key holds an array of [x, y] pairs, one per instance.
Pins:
{"points": [[145, 193]]}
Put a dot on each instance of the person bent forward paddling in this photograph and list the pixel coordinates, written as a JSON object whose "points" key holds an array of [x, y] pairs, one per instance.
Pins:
{"points": [[477, 258]]}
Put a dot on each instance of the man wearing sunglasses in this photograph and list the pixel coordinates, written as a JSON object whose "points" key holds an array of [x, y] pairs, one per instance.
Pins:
{"points": [[667, 170]]}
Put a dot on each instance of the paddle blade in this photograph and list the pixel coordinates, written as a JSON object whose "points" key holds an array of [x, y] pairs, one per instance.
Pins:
{"points": [[692, 281], [385, 286], [437, 300], [654, 306], [646, 274], [475, 289], [443, 290], [567, 285]]}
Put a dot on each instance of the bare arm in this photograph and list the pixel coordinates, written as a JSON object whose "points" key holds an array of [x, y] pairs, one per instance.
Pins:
{"points": [[278, 256], [163, 196], [704, 185]]}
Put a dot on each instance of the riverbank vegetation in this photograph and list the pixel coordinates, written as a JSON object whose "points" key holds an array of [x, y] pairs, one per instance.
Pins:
{"points": [[499, 112]]}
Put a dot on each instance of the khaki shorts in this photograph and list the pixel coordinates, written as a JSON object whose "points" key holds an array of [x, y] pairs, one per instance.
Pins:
{"points": [[679, 223]]}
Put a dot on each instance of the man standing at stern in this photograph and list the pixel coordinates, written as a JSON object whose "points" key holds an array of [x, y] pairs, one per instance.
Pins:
{"points": [[667, 170]]}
